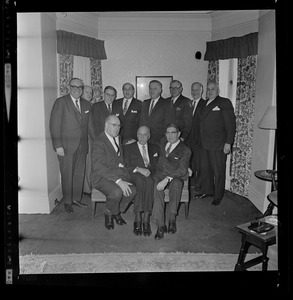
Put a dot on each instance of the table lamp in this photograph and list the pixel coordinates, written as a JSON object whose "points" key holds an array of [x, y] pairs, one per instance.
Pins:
{"points": [[269, 121]]}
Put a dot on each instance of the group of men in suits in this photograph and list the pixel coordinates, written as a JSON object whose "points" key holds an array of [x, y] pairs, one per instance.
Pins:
{"points": [[138, 149]]}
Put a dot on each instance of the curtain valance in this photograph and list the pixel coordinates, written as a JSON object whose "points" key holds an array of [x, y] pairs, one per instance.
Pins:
{"points": [[235, 47], [80, 45]]}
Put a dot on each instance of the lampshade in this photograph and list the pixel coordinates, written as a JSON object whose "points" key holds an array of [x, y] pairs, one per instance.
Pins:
{"points": [[269, 119]]}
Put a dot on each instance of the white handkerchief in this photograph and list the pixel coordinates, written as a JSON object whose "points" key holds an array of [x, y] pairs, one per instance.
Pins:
{"points": [[134, 111], [120, 165], [216, 108], [175, 157], [155, 155], [117, 114], [86, 111]]}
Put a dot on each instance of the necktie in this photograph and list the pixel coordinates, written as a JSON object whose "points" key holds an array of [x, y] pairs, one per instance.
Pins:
{"points": [[125, 107], [168, 150], [77, 105], [144, 156], [151, 107], [109, 108], [118, 149], [193, 106]]}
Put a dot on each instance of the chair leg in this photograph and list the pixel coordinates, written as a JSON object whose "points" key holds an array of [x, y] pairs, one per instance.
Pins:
{"points": [[94, 209], [186, 205]]}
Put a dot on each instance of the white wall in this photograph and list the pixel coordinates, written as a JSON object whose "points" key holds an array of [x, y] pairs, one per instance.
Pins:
{"points": [[263, 140], [37, 89], [154, 45]]}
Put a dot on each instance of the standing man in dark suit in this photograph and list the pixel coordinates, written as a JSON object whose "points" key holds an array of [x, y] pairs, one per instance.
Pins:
{"points": [[193, 139], [102, 109], [181, 107], [156, 112], [128, 109], [171, 171], [141, 159], [69, 131], [217, 129], [108, 173]]}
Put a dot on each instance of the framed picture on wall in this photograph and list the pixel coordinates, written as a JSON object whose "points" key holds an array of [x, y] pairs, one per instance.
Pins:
{"points": [[142, 86]]}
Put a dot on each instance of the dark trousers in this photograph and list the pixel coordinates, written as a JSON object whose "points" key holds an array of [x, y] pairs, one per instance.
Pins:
{"points": [[175, 191], [213, 172], [114, 195], [72, 169], [144, 198], [195, 179]]}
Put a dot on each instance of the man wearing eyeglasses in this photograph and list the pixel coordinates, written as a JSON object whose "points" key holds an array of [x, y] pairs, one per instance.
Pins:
{"points": [[102, 109], [181, 109], [108, 173], [69, 131], [171, 171]]}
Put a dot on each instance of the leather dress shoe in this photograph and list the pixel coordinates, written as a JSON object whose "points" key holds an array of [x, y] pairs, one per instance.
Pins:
{"points": [[137, 230], [172, 227], [160, 232], [79, 204], [216, 202], [109, 224], [201, 196], [146, 229], [68, 208], [119, 220]]}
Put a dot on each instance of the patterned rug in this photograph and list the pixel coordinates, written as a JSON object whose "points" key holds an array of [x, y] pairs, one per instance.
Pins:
{"points": [[129, 262]]}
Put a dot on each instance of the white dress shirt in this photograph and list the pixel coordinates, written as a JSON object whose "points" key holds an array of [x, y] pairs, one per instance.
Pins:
{"points": [[112, 141], [141, 151], [173, 146]]}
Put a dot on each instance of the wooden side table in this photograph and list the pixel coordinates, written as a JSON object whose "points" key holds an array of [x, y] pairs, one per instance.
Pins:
{"points": [[261, 241]]}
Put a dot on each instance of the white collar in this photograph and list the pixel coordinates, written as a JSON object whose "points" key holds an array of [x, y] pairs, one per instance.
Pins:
{"points": [[173, 145]]}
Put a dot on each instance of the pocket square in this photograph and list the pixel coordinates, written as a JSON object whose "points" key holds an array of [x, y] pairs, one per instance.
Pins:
{"points": [[117, 114], [120, 165], [178, 108], [134, 111], [175, 157], [155, 155], [216, 108], [86, 111]]}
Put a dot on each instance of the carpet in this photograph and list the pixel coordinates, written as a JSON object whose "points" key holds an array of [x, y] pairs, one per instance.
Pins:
{"points": [[129, 262]]}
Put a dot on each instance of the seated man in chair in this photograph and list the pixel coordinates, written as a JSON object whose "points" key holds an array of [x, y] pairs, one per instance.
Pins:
{"points": [[108, 173], [141, 158], [171, 171]]}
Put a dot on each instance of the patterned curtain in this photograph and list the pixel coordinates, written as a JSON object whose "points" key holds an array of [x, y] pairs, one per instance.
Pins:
{"points": [[66, 66], [244, 110], [96, 79], [65, 72], [213, 71]]}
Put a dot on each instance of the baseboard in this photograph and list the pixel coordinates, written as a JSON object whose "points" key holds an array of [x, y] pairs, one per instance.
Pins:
{"points": [[55, 197], [38, 202]]}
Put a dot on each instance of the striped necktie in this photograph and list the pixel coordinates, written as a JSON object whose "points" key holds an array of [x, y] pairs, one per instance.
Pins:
{"points": [[125, 107], [144, 156], [168, 150], [77, 105], [118, 149], [152, 106]]}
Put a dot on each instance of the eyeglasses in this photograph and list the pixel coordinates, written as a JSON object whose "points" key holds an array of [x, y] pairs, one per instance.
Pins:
{"points": [[115, 125], [175, 88], [75, 88]]}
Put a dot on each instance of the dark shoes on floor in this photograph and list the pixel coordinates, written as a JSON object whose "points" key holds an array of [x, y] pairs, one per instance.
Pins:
{"points": [[160, 232], [137, 228], [172, 227], [216, 202], [79, 204], [68, 208], [140, 228], [109, 220]]}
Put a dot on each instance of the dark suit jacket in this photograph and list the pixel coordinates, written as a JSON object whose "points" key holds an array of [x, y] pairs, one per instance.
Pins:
{"points": [[160, 117], [133, 157], [217, 124], [67, 126], [182, 114], [176, 164], [98, 115], [193, 139], [131, 120], [105, 161]]}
